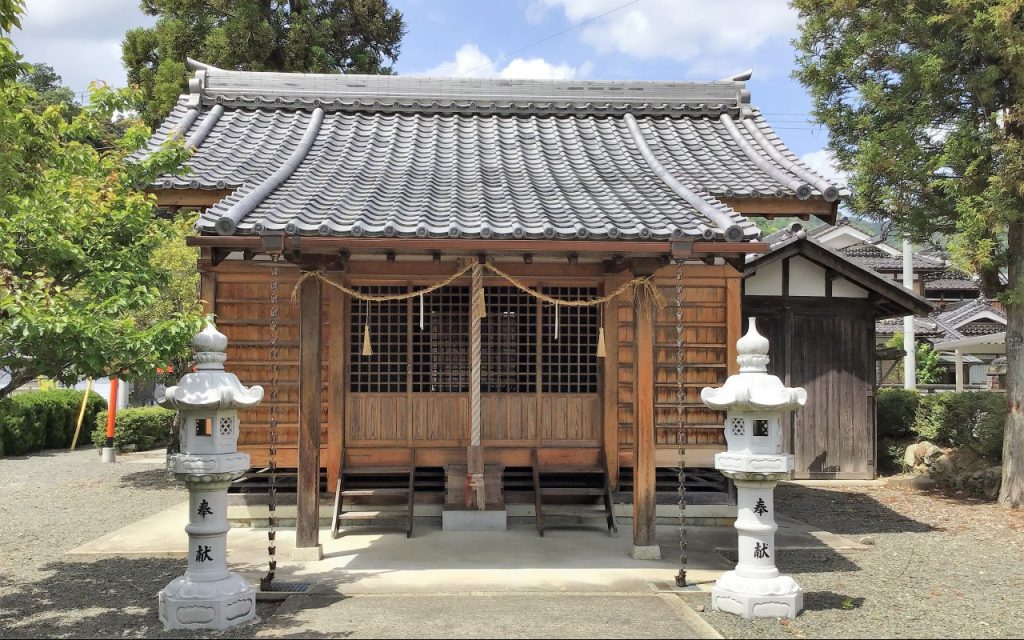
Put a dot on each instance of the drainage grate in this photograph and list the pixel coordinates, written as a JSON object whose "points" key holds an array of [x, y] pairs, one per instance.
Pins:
{"points": [[289, 587]]}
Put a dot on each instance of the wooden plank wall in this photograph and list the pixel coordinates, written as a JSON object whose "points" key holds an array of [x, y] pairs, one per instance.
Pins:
{"points": [[243, 315], [828, 348], [710, 330]]}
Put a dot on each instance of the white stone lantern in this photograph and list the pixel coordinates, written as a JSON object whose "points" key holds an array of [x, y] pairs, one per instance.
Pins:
{"points": [[208, 596], [755, 404]]}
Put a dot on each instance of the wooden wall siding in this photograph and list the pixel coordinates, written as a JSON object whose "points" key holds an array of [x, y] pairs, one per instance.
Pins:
{"points": [[828, 349], [242, 305], [710, 317]]}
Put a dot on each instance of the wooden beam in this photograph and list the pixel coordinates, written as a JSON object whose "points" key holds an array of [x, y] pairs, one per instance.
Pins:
{"points": [[207, 281], [784, 207], [337, 362], [644, 494], [307, 522], [188, 197], [474, 246]]}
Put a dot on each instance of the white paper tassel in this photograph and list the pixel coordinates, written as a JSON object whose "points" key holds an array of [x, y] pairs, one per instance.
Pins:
{"points": [[556, 320], [421, 312]]}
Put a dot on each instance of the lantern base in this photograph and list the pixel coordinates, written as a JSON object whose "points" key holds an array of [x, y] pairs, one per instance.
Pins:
{"points": [[779, 597], [108, 454], [221, 604]]}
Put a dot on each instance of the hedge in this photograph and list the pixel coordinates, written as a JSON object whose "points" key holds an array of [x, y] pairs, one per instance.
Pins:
{"points": [[44, 420], [968, 419], [143, 427], [896, 410]]}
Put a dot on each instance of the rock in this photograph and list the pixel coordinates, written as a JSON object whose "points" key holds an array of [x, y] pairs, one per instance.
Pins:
{"points": [[931, 453], [943, 467], [700, 608], [910, 456], [867, 540]]}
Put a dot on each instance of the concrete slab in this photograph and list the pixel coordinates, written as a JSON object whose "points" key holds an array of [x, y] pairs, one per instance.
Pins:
{"points": [[486, 615], [452, 520], [568, 559]]}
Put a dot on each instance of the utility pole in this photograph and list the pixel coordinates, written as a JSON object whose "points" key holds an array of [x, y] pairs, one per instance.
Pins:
{"points": [[909, 346]]}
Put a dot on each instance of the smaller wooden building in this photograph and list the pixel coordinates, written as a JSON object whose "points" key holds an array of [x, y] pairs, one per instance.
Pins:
{"points": [[818, 308]]}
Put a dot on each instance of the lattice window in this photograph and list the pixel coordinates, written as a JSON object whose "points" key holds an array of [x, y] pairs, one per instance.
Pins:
{"points": [[226, 425], [569, 364], [738, 426], [385, 370], [440, 351], [508, 342], [760, 428]]}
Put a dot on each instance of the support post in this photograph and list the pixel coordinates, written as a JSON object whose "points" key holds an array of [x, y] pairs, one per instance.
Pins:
{"points": [[108, 453], [645, 544], [959, 370], [909, 344], [307, 523], [337, 354]]}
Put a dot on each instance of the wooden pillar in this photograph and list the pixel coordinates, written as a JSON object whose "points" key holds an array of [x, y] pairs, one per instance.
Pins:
{"points": [[475, 454], [610, 381], [645, 545], [207, 281], [959, 369], [337, 364], [307, 523]]}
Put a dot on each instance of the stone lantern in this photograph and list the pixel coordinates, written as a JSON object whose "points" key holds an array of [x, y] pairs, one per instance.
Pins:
{"points": [[208, 596], [755, 404]]}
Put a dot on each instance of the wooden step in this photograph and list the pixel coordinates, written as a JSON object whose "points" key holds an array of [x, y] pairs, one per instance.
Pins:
{"points": [[374, 492], [370, 515], [569, 469], [585, 513], [571, 491], [375, 471]]}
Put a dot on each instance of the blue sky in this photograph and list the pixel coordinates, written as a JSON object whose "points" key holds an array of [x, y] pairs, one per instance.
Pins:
{"points": [[581, 39]]}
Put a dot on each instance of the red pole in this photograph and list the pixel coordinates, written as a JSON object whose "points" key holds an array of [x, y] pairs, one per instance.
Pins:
{"points": [[111, 412]]}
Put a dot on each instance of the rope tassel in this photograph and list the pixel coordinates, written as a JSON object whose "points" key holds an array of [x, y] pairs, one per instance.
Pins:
{"points": [[367, 349], [601, 352]]}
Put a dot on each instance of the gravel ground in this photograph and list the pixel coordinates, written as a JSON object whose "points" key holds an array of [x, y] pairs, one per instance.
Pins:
{"points": [[54, 501], [941, 566]]}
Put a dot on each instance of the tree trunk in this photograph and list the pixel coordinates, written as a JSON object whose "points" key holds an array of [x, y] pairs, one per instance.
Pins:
{"points": [[1012, 492]]}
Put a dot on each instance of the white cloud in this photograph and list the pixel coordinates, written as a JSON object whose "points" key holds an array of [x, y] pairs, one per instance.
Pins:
{"points": [[80, 40], [823, 162], [471, 62], [720, 37]]}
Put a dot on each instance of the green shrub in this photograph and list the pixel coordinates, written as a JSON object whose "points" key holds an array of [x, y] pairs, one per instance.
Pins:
{"points": [[43, 419], [896, 409], [968, 419], [144, 427]]}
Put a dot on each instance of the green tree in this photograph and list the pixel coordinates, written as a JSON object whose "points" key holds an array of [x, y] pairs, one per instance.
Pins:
{"points": [[49, 89], [925, 104], [313, 36], [76, 238], [927, 369]]}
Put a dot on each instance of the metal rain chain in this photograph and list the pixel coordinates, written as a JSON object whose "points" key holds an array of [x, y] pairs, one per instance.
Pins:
{"points": [[680, 425], [267, 581]]}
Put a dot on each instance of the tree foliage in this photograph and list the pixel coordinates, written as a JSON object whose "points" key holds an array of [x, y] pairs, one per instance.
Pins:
{"points": [[927, 368], [924, 100], [77, 237], [313, 36]]}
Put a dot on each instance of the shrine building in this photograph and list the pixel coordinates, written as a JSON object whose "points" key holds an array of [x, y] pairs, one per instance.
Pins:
{"points": [[453, 246]]}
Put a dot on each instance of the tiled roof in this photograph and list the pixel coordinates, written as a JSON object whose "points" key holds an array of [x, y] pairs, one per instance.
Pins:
{"points": [[950, 280], [874, 258], [346, 155], [951, 323]]}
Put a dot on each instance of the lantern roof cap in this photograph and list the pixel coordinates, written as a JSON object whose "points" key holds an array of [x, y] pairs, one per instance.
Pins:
{"points": [[753, 388], [210, 386]]}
